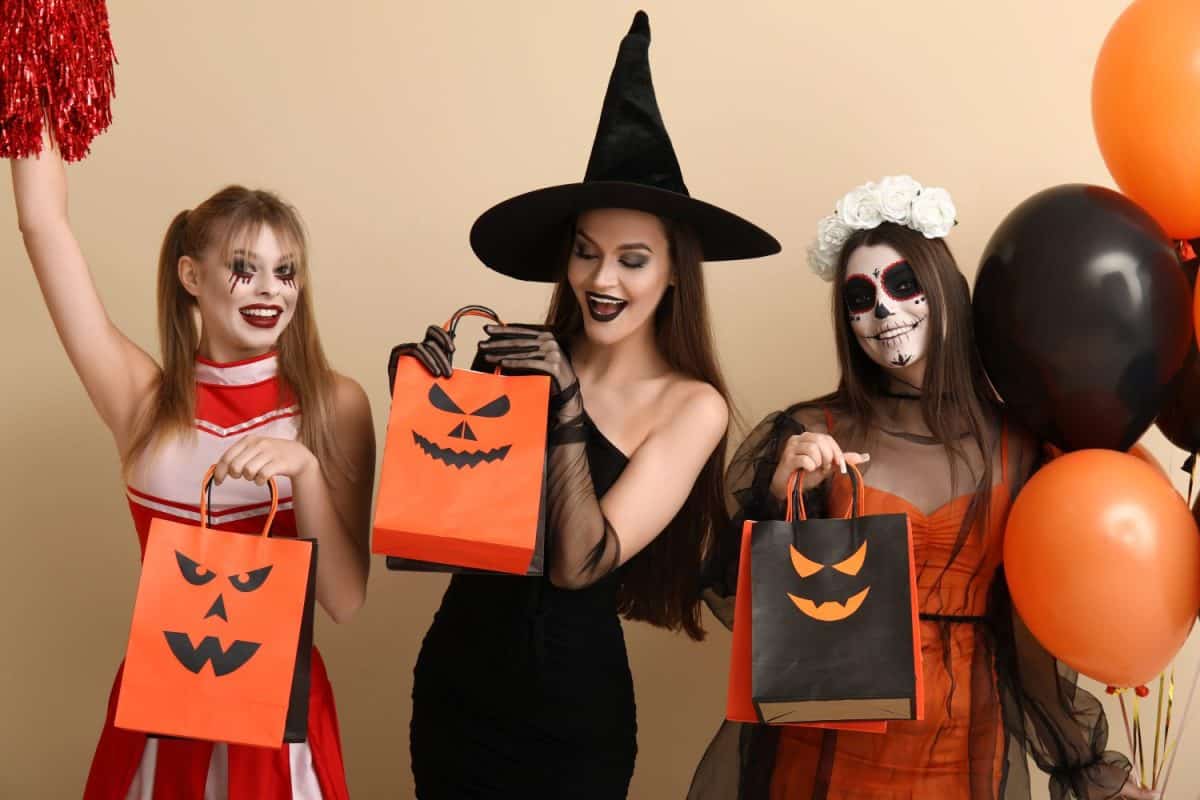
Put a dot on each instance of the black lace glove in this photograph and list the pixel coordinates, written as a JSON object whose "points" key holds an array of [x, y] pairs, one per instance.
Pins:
{"points": [[527, 349], [435, 352]]}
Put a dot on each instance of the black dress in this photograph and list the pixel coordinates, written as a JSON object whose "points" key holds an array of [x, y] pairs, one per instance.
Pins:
{"points": [[523, 689]]}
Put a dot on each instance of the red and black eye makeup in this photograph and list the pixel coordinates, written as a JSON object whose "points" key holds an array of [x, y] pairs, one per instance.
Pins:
{"points": [[287, 274], [239, 273], [898, 280]]}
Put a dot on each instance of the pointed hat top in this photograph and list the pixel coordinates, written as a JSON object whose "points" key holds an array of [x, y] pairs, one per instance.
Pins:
{"points": [[631, 142]]}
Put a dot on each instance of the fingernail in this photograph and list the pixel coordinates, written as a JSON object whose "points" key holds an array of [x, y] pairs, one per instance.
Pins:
{"points": [[843, 467], [866, 456]]}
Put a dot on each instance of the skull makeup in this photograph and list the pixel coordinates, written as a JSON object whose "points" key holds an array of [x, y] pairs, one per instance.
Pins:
{"points": [[889, 313]]}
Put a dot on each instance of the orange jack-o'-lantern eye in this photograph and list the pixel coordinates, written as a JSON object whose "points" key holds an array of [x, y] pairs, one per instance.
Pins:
{"points": [[854, 564], [804, 567]]}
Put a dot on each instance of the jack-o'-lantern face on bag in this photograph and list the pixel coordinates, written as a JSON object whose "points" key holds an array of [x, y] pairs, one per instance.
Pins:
{"points": [[463, 446], [836, 595], [209, 650]]}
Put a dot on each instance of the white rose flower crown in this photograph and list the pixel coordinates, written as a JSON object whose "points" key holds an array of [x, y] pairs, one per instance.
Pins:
{"points": [[898, 199]]}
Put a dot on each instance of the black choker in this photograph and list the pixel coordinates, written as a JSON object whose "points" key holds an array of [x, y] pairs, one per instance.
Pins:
{"points": [[900, 396]]}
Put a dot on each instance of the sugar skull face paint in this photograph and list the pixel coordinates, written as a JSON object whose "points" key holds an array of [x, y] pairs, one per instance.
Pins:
{"points": [[889, 313]]}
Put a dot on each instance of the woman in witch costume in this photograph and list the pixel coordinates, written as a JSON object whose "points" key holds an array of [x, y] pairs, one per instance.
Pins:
{"points": [[914, 410], [523, 687], [249, 389]]}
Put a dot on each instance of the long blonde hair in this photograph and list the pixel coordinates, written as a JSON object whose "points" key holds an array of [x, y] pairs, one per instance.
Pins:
{"points": [[231, 215]]}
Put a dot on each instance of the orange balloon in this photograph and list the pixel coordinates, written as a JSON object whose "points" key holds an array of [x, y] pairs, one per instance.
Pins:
{"points": [[1137, 451], [1141, 453], [1145, 110], [1102, 558]]}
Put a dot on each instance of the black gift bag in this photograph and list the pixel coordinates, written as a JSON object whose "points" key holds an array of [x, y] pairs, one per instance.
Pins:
{"points": [[834, 617]]}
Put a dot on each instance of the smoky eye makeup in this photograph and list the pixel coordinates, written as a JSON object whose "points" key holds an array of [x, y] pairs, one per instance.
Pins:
{"points": [[900, 282], [859, 294]]}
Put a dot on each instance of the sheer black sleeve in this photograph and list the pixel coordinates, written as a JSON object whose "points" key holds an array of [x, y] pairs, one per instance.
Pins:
{"points": [[586, 547], [748, 497], [1049, 716]]}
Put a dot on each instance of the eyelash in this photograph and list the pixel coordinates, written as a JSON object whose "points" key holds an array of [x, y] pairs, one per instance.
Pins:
{"points": [[584, 254]]}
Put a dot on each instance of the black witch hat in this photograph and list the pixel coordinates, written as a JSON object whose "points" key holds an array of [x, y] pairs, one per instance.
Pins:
{"points": [[632, 166]]}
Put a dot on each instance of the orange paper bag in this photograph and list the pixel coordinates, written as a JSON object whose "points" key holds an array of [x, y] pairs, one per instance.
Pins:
{"points": [[219, 624], [464, 465]]}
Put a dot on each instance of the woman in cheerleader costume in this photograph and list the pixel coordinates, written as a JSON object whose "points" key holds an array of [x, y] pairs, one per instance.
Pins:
{"points": [[243, 384]]}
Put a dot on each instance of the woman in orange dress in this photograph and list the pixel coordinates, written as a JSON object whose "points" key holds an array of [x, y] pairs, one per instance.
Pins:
{"points": [[915, 412]]}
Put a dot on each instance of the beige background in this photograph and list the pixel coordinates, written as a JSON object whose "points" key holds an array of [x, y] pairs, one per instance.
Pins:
{"points": [[391, 126]]}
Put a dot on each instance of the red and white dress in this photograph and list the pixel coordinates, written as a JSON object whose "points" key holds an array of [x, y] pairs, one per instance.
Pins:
{"points": [[232, 401]]}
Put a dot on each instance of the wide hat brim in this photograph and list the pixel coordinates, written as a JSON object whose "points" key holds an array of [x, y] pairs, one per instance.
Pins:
{"points": [[526, 236]]}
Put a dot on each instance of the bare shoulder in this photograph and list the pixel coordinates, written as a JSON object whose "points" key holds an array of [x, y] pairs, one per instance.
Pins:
{"points": [[349, 399], [694, 404]]}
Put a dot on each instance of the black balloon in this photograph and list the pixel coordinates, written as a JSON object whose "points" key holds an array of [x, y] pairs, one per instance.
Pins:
{"points": [[1082, 316], [1179, 416]]}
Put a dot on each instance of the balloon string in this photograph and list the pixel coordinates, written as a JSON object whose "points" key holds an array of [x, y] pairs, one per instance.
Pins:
{"points": [[1183, 718], [1120, 693], [1167, 743], [1158, 719], [1140, 747]]}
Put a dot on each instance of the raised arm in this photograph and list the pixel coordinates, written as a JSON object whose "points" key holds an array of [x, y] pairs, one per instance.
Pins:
{"points": [[117, 375]]}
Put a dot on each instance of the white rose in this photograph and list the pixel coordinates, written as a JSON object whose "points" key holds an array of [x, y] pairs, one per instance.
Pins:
{"points": [[933, 213], [832, 233], [860, 209], [821, 261], [896, 195]]}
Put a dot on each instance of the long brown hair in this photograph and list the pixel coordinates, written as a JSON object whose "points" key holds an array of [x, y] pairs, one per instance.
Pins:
{"points": [[234, 214], [661, 585], [955, 391]]}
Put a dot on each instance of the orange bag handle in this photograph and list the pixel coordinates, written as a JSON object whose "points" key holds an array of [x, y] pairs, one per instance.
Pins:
{"points": [[795, 506], [471, 311], [206, 497]]}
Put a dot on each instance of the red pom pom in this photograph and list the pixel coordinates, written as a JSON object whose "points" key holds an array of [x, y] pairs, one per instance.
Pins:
{"points": [[56, 67], [1111, 689], [1141, 691]]}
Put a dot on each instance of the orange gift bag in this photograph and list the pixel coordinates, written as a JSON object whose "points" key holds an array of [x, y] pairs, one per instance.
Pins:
{"points": [[464, 469], [221, 638]]}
